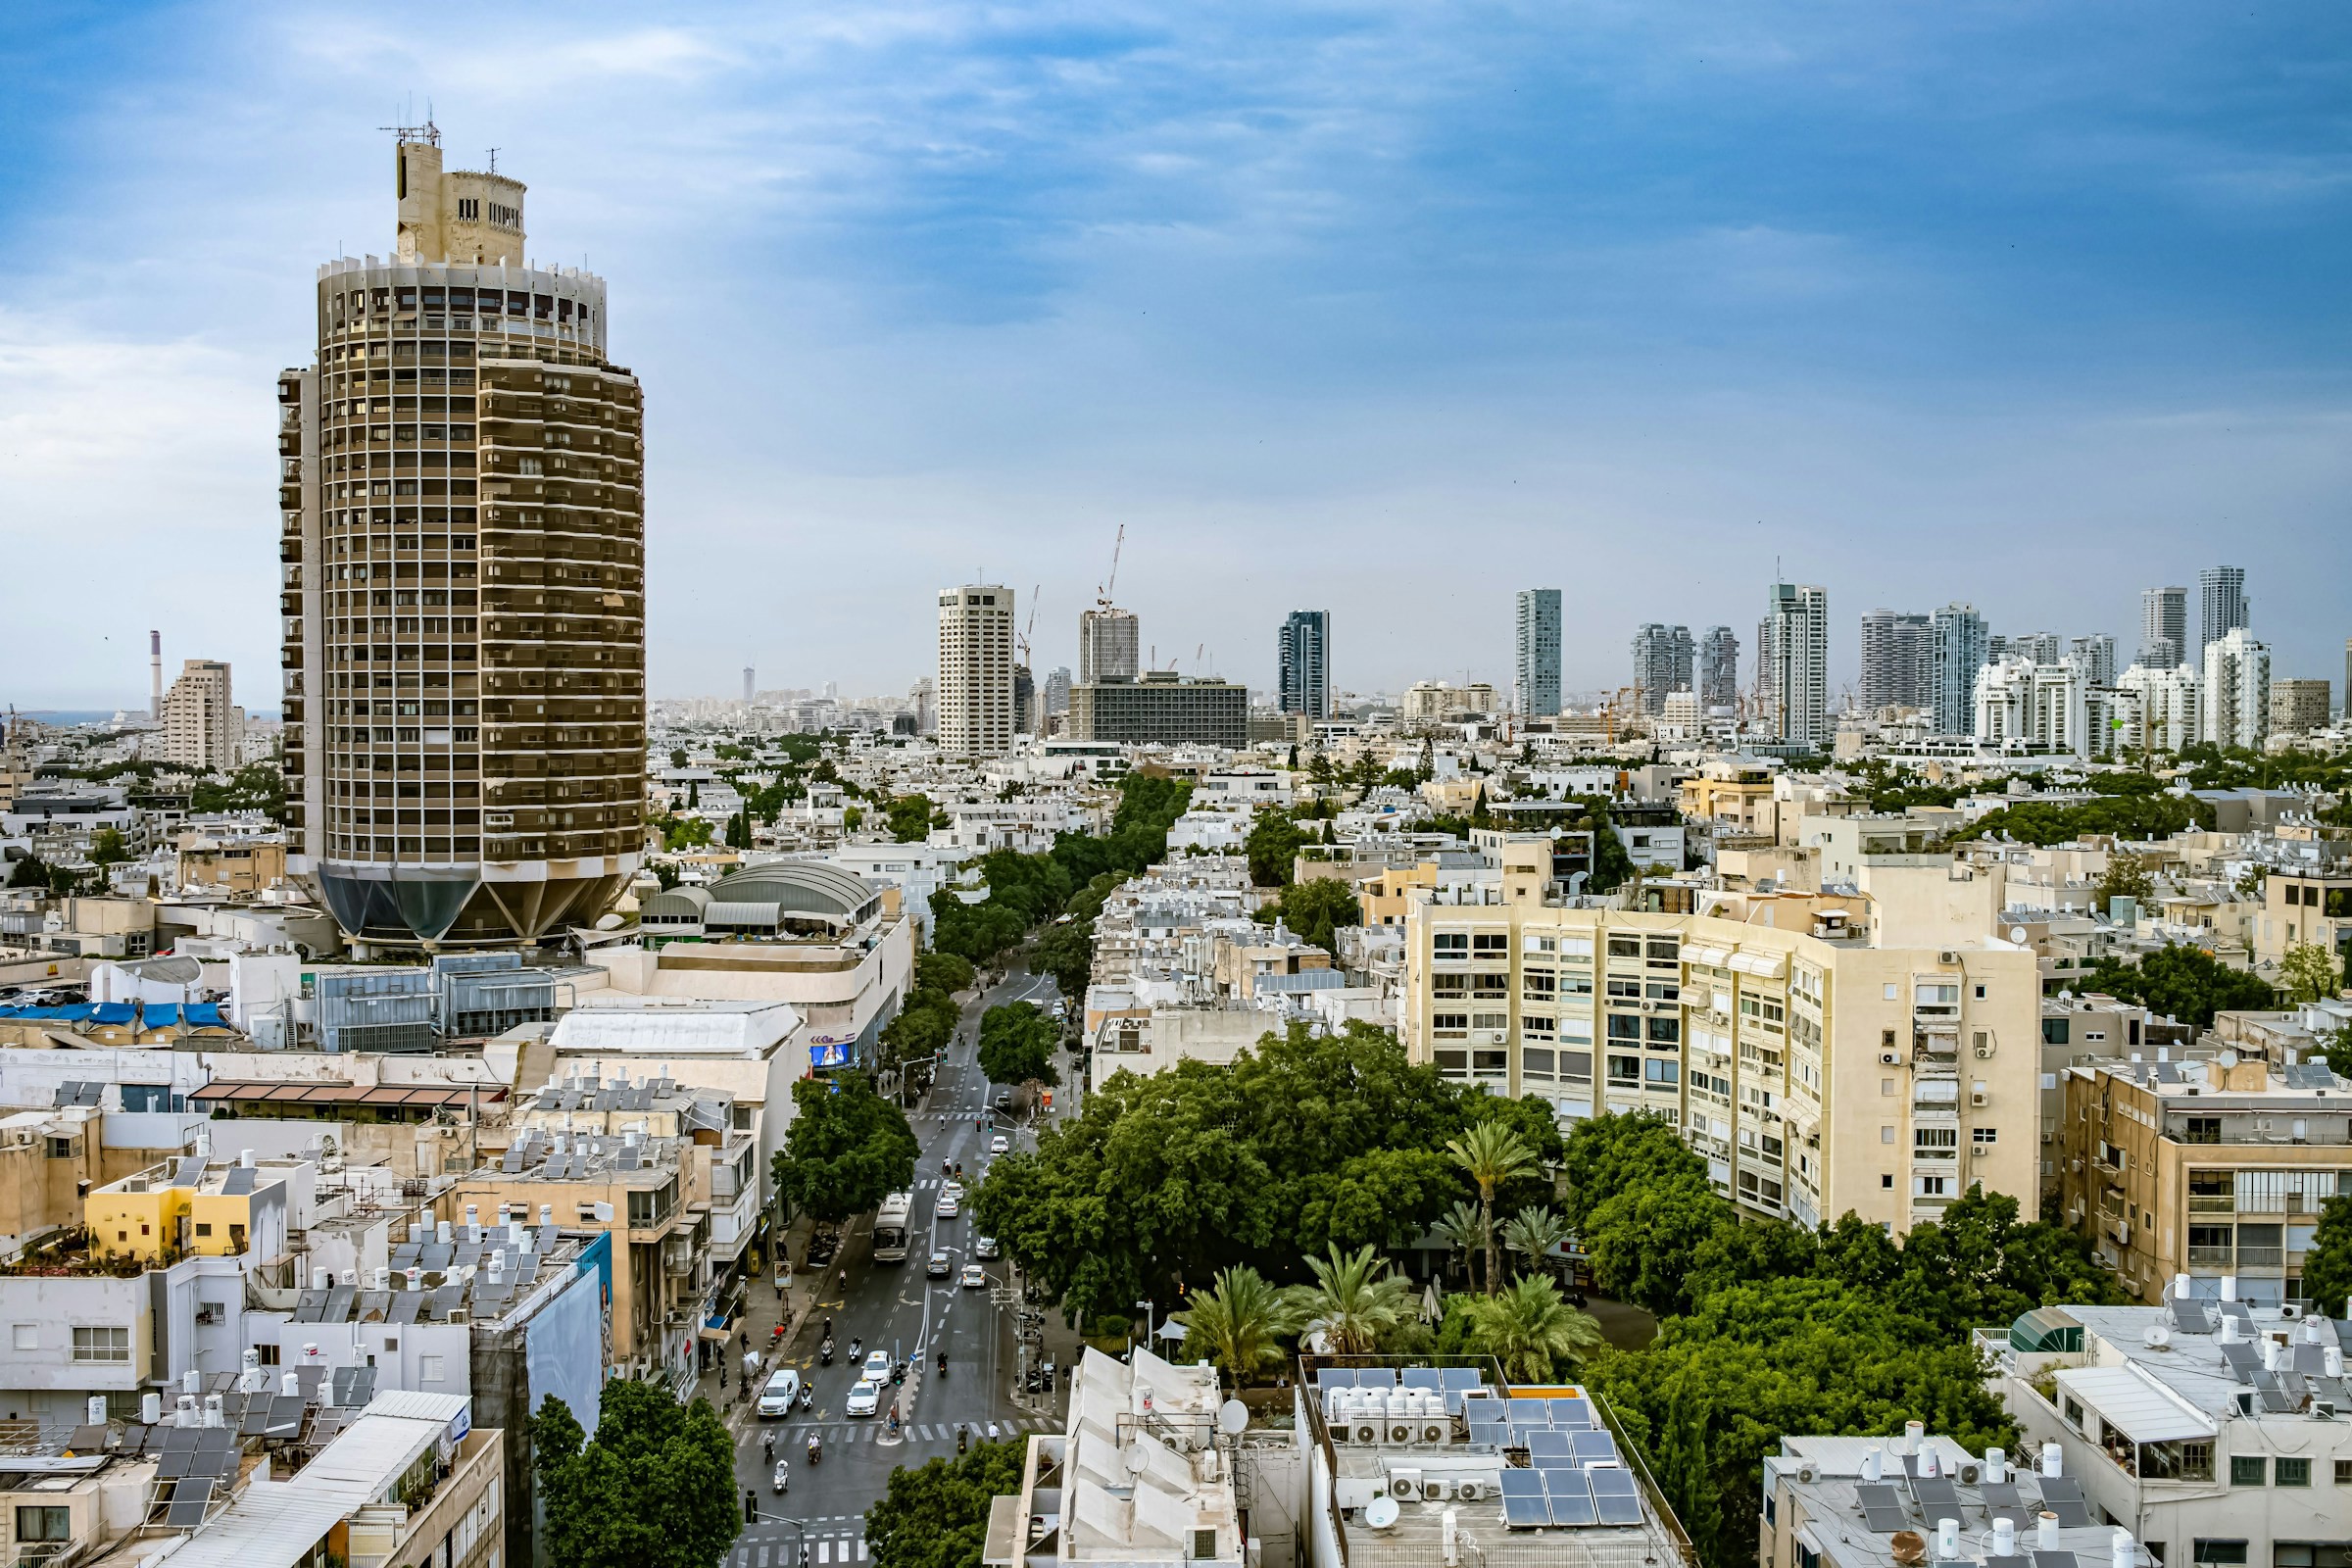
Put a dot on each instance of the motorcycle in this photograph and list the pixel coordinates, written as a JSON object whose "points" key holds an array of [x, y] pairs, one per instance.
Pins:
{"points": [[816, 1449], [824, 1353], [777, 1338], [856, 1346], [783, 1479], [962, 1438], [943, 1364], [806, 1393], [769, 1448], [946, 1166]]}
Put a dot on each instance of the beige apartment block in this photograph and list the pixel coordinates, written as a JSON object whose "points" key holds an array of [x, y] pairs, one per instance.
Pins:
{"points": [[2212, 1168], [203, 728], [1882, 1067], [2302, 909], [975, 670], [2298, 707]]}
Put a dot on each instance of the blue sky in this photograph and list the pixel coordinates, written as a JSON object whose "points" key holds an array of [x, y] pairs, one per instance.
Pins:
{"points": [[1384, 309]]}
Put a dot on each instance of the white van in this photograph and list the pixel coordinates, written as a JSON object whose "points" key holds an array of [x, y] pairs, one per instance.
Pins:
{"points": [[776, 1400]]}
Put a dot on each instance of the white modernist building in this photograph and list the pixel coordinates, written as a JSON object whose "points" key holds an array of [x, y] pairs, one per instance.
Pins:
{"points": [[2237, 690]]}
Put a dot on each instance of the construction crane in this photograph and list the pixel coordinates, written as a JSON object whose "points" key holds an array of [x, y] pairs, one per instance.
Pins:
{"points": [[1032, 625], [1102, 594], [1609, 712]]}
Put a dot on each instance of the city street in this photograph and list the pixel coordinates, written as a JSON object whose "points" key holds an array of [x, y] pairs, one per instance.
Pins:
{"points": [[894, 1308]]}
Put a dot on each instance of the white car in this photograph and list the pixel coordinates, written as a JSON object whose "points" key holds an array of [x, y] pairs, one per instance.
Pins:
{"points": [[876, 1368], [1000, 1145], [950, 1203], [776, 1400], [984, 1246], [974, 1276], [865, 1397]]}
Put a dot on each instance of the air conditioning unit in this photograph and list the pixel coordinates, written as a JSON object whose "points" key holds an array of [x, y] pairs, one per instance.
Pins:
{"points": [[1968, 1475], [2289, 1310], [1367, 1433], [2323, 1409], [1983, 1053], [1433, 1432], [1977, 1096], [1401, 1432], [1891, 1058], [1406, 1485], [1947, 957], [1806, 1474], [1470, 1489]]}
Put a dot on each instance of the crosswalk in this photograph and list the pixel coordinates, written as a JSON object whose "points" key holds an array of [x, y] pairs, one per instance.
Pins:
{"points": [[842, 1434], [824, 1551]]}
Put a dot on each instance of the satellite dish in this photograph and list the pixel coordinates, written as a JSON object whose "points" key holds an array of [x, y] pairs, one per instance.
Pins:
{"points": [[1136, 1460], [1232, 1416], [2017, 932], [1381, 1512]]}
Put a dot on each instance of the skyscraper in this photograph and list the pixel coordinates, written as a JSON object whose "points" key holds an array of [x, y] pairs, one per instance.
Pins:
{"points": [[1304, 649], [1719, 668], [1109, 645], [747, 685], [1896, 660], [2094, 657], [463, 532], [1796, 662], [2237, 690], [1536, 677], [2163, 627], [2224, 608], [1662, 660], [202, 725], [1957, 648], [1058, 690], [976, 715]]}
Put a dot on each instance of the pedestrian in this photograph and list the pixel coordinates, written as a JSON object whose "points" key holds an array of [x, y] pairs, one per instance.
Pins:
{"points": [[991, 1431]]}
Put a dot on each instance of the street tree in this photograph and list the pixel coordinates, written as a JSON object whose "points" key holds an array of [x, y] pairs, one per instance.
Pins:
{"points": [[1531, 1330], [1239, 1322], [2309, 972], [1537, 1235], [847, 1150], [1017, 1044], [1316, 908], [2327, 1266], [1489, 1155], [1355, 1298], [1273, 848], [1463, 1230], [655, 1488], [2186, 984], [936, 1516]]}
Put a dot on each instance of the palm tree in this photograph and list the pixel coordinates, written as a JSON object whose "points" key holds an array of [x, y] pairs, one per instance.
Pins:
{"points": [[1492, 1154], [1353, 1300], [1530, 1329], [1536, 1234], [1237, 1321], [1460, 1228]]}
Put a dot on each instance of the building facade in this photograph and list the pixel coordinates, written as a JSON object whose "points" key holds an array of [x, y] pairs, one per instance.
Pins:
{"points": [[1897, 662], [975, 670], [463, 592], [1814, 1075], [2237, 690], [1663, 659], [2298, 707], [1110, 645], [1304, 658], [1957, 648], [1719, 668], [203, 727], [2163, 627], [2160, 708], [1794, 658], [2094, 657], [2223, 605], [1162, 709], [1536, 669]]}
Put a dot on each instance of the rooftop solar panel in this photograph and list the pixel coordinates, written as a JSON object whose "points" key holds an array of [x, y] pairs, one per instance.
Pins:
{"points": [[2237, 1310], [174, 1463], [189, 1172], [1934, 1493], [179, 1440], [1376, 1377], [1571, 1412], [1460, 1377], [239, 1181], [1524, 1513], [1334, 1377], [1615, 1497], [2191, 1317], [1592, 1445], [1547, 1443], [189, 1499], [405, 1306], [1420, 1377], [2072, 1516], [211, 1439], [1531, 1412], [2054, 1559], [338, 1304], [1881, 1507], [257, 1420], [2000, 1494], [2061, 1489], [1571, 1499], [2014, 1560], [88, 1439], [285, 1415], [1490, 1432], [2243, 1360]]}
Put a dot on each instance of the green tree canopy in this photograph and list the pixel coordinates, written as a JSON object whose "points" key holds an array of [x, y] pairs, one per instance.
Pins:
{"points": [[654, 1489], [255, 787], [2327, 1266], [1065, 950], [1531, 1330], [106, 846], [909, 818], [847, 1150], [1316, 908], [1239, 1322], [2125, 817], [2186, 984], [1016, 1045], [29, 871], [937, 1516], [1273, 848]]}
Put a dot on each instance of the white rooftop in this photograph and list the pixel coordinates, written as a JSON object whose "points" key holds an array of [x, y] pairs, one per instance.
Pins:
{"points": [[656, 1026]]}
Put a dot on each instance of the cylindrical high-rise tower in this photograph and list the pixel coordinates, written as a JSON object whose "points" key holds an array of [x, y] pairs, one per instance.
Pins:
{"points": [[463, 582]]}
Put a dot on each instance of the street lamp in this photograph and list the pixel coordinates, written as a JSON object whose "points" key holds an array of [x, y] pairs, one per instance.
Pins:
{"points": [[1147, 1311]]}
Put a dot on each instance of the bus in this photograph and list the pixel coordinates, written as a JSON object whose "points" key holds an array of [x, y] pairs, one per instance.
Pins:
{"points": [[890, 1228]]}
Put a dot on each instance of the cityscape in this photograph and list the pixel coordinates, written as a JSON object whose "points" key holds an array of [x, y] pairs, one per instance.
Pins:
{"points": [[1298, 1053]]}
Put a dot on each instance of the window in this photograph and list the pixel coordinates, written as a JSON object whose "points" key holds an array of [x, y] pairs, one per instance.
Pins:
{"points": [[2291, 1472], [27, 1336], [1935, 1187], [1623, 1028], [1577, 1064], [204, 1227], [1625, 1069], [1450, 944], [2227, 1552], [2246, 1470], [1982, 1136], [1662, 1074], [1452, 1063], [2201, 1130], [102, 1345], [47, 1523], [1495, 942], [1449, 1021], [2343, 1472], [1665, 1031], [1625, 947], [429, 1367], [1536, 1063], [1497, 1063], [1886, 1180], [2074, 1412], [1885, 1135]]}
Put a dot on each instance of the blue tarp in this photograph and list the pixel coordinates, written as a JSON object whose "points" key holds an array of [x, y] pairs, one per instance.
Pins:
{"points": [[157, 1015]]}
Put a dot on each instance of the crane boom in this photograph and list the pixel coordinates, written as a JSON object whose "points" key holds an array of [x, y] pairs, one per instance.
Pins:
{"points": [[1110, 584]]}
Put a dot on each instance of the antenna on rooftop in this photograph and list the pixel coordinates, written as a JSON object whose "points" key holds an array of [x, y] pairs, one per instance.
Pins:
{"points": [[494, 160]]}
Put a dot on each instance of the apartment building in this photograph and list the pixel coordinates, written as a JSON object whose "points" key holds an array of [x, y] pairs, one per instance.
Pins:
{"points": [[1718, 669], [1536, 654], [462, 581], [1881, 1065], [1161, 708], [2163, 627], [1794, 663], [203, 727], [2213, 1168], [2161, 707], [2304, 908], [2237, 691], [2210, 1425], [1896, 660], [1663, 660], [975, 670], [2223, 605], [2299, 707], [1109, 646], [1303, 657], [1958, 645]]}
